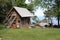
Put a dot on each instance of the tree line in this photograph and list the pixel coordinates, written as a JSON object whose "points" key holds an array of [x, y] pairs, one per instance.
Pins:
{"points": [[52, 6]]}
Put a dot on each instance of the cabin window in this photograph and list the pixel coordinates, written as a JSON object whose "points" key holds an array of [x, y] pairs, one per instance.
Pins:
{"points": [[13, 17], [28, 20], [23, 20], [18, 21]]}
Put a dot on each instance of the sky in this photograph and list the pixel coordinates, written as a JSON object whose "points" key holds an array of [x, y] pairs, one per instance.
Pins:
{"points": [[39, 13]]}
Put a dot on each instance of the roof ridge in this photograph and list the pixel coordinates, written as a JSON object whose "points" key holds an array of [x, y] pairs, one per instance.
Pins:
{"points": [[19, 7], [23, 12]]}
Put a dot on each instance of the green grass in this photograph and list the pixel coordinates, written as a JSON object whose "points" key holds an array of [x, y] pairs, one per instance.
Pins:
{"points": [[29, 34]]}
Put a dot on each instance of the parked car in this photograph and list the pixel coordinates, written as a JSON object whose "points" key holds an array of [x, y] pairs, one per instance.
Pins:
{"points": [[44, 24]]}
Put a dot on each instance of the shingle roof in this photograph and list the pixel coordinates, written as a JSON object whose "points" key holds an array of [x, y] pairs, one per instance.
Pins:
{"points": [[23, 12]]}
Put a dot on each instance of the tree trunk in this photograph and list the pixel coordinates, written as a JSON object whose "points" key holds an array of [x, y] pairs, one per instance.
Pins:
{"points": [[58, 19], [58, 5], [51, 23]]}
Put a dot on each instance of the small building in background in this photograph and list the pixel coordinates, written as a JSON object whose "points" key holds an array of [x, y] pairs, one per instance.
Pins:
{"points": [[18, 17]]}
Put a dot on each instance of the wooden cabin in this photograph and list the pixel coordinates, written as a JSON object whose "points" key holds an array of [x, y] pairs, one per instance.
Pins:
{"points": [[18, 17]]}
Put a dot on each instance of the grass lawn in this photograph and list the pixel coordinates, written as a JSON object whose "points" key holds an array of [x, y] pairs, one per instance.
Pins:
{"points": [[29, 34]]}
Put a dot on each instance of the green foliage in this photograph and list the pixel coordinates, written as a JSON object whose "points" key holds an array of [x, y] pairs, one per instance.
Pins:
{"points": [[36, 20], [5, 5], [30, 7], [20, 3], [53, 6], [54, 10], [42, 3]]}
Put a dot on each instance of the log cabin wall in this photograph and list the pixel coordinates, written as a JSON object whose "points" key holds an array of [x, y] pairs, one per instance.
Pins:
{"points": [[19, 21], [14, 14], [25, 21], [22, 21]]}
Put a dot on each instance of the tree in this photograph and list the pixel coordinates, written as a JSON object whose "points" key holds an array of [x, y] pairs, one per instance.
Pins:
{"points": [[21, 3], [42, 3], [6, 5], [47, 4], [49, 15], [36, 20], [53, 5], [58, 10], [54, 11]]}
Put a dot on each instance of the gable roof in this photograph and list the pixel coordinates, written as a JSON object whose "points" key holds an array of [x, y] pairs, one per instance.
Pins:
{"points": [[23, 12]]}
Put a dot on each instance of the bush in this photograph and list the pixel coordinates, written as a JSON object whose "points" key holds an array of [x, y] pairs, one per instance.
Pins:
{"points": [[56, 26]]}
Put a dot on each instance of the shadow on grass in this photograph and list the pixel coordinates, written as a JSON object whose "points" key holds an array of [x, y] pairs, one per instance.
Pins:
{"points": [[1, 28]]}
